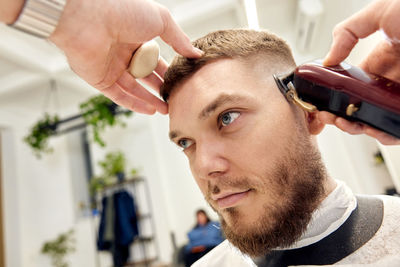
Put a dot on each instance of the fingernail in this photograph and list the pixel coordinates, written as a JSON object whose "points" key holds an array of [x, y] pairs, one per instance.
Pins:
{"points": [[198, 51], [163, 109], [325, 62], [164, 112]]}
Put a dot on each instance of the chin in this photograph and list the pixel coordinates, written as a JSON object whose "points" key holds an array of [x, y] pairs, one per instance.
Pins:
{"points": [[238, 219]]}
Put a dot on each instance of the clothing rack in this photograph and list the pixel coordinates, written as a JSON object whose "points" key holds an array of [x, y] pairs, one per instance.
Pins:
{"points": [[119, 186], [132, 185]]}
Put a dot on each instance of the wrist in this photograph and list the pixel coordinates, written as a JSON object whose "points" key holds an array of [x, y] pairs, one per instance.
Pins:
{"points": [[71, 10], [79, 27], [73, 21], [10, 10], [39, 17]]}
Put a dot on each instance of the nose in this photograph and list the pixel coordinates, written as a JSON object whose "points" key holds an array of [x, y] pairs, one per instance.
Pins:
{"points": [[210, 160]]}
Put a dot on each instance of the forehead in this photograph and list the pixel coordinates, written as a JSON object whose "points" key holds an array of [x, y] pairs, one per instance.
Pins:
{"points": [[228, 76]]}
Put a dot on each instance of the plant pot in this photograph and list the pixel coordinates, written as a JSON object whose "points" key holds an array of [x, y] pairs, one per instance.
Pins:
{"points": [[121, 177]]}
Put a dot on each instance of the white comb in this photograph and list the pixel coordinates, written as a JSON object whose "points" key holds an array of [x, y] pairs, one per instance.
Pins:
{"points": [[145, 60]]}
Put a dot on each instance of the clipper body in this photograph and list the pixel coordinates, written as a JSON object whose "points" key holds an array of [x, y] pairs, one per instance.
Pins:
{"points": [[346, 91]]}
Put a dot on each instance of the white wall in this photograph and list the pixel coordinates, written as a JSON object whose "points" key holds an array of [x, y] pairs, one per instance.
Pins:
{"points": [[351, 159], [11, 196], [37, 193], [392, 159]]}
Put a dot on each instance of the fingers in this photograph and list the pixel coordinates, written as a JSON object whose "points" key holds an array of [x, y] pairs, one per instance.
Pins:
{"points": [[384, 60], [162, 67], [175, 37], [350, 127], [131, 87], [342, 124], [130, 102], [347, 33], [357, 128], [343, 42], [326, 117], [153, 81], [383, 138]]}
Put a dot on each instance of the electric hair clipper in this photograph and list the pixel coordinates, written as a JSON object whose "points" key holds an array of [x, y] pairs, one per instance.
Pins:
{"points": [[346, 91]]}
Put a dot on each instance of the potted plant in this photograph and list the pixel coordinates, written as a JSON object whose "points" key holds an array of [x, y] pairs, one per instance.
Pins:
{"points": [[114, 165], [113, 171], [40, 133], [99, 112], [59, 248]]}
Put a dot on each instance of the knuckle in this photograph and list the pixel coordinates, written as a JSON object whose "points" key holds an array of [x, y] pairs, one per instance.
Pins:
{"points": [[165, 13], [338, 30]]}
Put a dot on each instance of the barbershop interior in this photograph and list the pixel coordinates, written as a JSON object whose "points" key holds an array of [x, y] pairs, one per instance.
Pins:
{"points": [[74, 165]]}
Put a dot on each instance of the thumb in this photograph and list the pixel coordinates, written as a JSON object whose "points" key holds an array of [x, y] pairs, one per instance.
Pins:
{"points": [[347, 33], [175, 37], [343, 42]]}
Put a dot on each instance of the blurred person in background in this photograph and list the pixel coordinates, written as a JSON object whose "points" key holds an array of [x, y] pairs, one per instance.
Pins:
{"points": [[204, 236]]}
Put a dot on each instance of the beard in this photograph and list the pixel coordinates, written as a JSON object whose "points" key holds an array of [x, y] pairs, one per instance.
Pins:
{"points": [[296, 188]]}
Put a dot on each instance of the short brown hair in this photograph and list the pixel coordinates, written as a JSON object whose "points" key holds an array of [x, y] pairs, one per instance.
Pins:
{"points": [[234, 43]]}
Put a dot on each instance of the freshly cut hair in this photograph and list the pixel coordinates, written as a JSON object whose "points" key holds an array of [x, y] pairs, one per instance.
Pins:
{"points": [[234, 44]]}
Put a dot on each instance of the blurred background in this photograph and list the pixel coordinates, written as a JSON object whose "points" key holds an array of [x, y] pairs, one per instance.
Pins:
{"points": [[57, 200]]}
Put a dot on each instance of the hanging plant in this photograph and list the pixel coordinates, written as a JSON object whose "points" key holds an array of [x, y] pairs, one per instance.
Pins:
{"points": [[40, 133], [59, 248], [100, 112]]}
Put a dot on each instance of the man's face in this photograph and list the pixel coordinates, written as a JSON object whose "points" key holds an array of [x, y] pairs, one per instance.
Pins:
{"points": [[250, 153]]}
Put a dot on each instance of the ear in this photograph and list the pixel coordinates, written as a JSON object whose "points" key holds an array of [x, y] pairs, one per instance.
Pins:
{"points": [[314, 124]]}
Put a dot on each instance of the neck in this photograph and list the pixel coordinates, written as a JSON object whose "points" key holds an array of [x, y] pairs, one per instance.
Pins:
{"points": [[332, 212], [329, 185]]}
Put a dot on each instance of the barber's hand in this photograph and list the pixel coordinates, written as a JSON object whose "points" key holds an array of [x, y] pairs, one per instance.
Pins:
{"points": [[357, 128], [99, 37], [384, 60]]}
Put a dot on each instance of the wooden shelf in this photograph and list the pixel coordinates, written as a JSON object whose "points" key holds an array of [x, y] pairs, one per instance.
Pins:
{"points": [[144, 262], [131, 180], [144, 216], [144, 239]]}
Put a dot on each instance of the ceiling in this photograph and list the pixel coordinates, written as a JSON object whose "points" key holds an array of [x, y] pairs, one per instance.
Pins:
{"points": [[28, 64]]}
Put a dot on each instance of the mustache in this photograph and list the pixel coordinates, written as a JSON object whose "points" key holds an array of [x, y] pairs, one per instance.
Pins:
{"points": [[227, 183]]}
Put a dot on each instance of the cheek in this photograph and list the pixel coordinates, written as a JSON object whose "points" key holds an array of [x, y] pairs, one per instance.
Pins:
{"points": [[261, 148]]}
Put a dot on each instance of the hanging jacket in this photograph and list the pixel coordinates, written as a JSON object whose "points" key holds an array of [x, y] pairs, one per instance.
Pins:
{"points": [[123, 217]]}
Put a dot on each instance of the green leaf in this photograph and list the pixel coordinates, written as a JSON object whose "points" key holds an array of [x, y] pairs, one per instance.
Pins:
{"points": [[58, 248], [40, 133], [99, 112]]}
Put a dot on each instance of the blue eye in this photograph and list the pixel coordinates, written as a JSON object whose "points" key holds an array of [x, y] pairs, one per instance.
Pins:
{"points": [[228, 117], [185, 143]]}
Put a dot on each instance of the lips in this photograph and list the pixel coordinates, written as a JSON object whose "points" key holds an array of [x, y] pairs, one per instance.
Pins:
{"points": [[230, 199]]}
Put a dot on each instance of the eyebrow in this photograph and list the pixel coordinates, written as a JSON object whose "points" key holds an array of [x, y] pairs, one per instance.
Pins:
{"points": [[207, 111], [221, 100], [173, 135]]}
